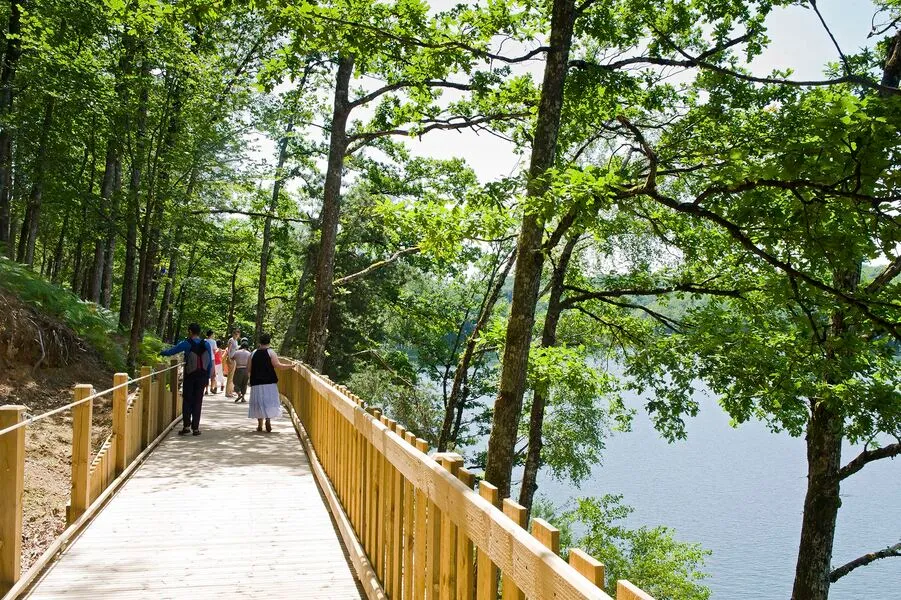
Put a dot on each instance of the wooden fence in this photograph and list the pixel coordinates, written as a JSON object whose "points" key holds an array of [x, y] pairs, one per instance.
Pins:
{"points": [[421, 531], [138, 423]]}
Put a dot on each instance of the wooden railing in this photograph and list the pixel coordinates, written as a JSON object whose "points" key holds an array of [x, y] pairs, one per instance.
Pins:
{"points": [[413, 525], [138, 423]]}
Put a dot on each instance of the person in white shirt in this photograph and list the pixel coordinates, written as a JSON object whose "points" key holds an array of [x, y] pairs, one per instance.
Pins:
{"points": [[240, 360], [233, 345]]}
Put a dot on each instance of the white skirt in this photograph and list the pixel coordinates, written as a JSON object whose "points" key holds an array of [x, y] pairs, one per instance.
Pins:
{"points": [[220, 378], [264, 402]]}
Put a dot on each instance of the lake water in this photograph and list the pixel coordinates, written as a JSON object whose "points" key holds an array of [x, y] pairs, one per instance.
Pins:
{"points": [[740, 493]]}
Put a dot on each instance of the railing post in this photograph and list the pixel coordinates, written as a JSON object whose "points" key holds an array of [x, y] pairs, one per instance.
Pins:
{"points": [[626, 590], [409, 528], [519, 514], [173, 387], [587, 566], [547, 534], [81, 452], [12, 485], [486, 571], [120, 411], [162, 402], [146, 405], [422, 539], [447, 570], [465, 549]]}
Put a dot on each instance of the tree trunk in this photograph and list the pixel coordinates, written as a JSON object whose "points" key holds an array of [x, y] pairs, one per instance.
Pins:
{"points": [[232, 297], [11, 55], [107, 186], [317, 335], [56, 265], [109, 249], [824, 454], [180, 299], [267, 228], [539, 400], [126, 303], [173, 269], [165, 303], [144, 295], [821, 504], [454, 410], [290, 340], [530, 257], [32, 219]]}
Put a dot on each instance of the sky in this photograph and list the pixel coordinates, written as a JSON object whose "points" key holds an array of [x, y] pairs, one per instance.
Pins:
{"points": [[797, 41]]}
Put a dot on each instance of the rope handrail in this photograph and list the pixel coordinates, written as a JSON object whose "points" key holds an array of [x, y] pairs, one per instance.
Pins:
{"points": [[29, 420]]}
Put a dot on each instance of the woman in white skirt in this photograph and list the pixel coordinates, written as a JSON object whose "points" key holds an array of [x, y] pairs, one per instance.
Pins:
{"points": [[264, 399]]}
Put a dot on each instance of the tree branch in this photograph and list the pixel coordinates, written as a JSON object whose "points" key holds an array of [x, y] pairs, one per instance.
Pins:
{"points": [[360, 139], [403, 84], [864, 560], [845, 64], [693, 288], [868, 456], [376, 266], [694, 208], [891, 271], [248, 213], [698, 62]]}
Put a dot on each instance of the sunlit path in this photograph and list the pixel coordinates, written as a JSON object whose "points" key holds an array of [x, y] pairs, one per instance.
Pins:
{"points": [[231, 513]]}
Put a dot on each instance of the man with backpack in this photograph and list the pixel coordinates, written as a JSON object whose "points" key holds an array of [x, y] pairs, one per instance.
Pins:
{"points": [[198, 369]]}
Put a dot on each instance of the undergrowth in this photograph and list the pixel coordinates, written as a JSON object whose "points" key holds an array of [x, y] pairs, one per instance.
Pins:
{"points": [[94, 324]]}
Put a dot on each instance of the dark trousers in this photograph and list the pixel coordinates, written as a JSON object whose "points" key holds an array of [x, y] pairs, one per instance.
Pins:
{"points": [[192, 399], [240, 380]]}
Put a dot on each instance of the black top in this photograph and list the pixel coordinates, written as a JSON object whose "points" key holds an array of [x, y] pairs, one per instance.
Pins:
{"points": [[261, 369]]}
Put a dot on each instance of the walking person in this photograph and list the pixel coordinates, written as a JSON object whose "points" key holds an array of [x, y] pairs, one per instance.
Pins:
{"points": [[264, 399], [217, 360], [233, 346], [220, 365], [241, 362], [198, 369]]}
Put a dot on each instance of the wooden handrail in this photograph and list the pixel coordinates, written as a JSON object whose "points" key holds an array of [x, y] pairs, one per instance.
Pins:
{"points": [[148, 414], [426, 533]]}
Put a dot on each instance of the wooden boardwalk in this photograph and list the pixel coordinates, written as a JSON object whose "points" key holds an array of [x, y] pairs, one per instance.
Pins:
{"points": [[231, 513]]}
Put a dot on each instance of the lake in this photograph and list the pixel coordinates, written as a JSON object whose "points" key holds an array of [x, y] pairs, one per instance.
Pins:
{"points": [[740, 493]]}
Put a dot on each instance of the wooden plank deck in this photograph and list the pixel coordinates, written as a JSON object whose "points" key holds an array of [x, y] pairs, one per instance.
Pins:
{"points": [[231, 513]]}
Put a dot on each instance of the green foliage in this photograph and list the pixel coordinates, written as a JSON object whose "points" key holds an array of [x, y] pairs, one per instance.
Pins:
{"points": [[91, 322], [649, 557]]}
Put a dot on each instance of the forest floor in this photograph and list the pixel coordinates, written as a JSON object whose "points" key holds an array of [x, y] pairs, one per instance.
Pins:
{"points": [[48, 443]]}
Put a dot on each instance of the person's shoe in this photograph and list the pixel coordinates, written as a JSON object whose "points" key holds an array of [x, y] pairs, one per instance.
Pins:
{"points": [[243, 400], [196, 432], [268, 427], [184, 431], [237, 400]]}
